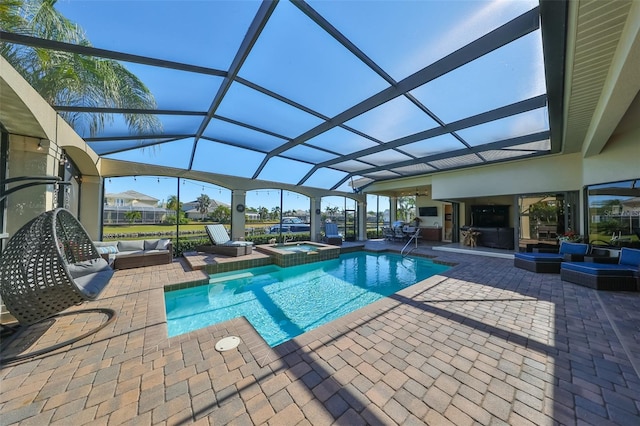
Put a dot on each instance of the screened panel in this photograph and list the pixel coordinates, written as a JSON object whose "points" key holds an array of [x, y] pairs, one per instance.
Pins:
{"points": [[507, 128], [392, 120], [105, 147], [422, 31], [325, 178], [243, 136], [481, 86], [351, 166], [385, 157], [503, 154], [286, 171], [177, 90], [171, 154], [300, 61], [385, 174], [257, 109], [307, 153], [224, 159], [414, 169], [436, 145], [341, 141], [127, 26], [544, 145], [459, 161]]}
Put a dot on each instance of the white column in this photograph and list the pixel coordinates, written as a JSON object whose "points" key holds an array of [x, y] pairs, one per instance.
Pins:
{"points": [[315, 209], [393, 209], [237, 214], [362, 220]]}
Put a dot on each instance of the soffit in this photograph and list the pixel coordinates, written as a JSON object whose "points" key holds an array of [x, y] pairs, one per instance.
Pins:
{"points": [[596, 31]]}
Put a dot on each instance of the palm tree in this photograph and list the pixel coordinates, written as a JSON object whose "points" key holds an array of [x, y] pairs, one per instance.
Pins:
{"points": [[204, 202], [172, 203], [132, 216], [70, 79], [275, 212]]}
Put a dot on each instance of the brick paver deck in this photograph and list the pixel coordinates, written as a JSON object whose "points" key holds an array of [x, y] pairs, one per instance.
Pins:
{"points": [[483, 343]]}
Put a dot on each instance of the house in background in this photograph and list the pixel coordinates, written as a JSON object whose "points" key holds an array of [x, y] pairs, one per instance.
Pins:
{"points": [[116, 205], [192, 211]]}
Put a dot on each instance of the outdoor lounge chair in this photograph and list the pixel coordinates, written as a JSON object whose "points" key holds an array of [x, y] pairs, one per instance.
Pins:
{"points": [[49, 265], [331, 234], [621, 276], [222, 244], [549, 263]]}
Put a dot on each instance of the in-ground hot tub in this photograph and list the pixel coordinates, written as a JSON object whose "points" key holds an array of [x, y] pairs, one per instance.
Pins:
{"points": [[298, 253]]}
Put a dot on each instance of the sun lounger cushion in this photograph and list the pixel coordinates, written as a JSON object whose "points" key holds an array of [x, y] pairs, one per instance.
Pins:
{"points": [[219, 236]]}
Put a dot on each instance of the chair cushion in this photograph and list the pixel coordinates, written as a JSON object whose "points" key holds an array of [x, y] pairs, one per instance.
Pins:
{"points": [[150, 244], [92, 285], [163, 244], [573, 248], [593, 268], [540, 257], [87, 267], [629, 256], [131, 245]]}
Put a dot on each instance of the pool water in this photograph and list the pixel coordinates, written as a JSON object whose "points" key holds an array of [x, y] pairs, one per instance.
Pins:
{"points": [[282, 303], [298, 247]]}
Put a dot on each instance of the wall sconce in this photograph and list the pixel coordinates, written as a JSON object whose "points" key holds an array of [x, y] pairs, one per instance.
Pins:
{"points": [[40, 147]]}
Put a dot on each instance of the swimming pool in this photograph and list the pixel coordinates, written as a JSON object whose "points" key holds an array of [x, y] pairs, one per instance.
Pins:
{"points": [[298, 247], [282, 303]]}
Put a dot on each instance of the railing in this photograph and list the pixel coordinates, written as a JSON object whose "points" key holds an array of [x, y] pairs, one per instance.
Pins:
{"points": [[414, 237]]}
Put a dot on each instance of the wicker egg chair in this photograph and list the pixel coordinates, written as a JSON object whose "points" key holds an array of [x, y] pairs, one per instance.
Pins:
{"points": [[49, 265]]}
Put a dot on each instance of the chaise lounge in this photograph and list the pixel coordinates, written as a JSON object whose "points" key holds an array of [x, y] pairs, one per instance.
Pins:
{"points": [[622, 276], [222, 244], [549, 263], [331, 234]]}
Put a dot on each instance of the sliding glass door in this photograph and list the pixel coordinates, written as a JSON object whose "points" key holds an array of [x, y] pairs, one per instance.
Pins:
{"points": [[547, 218]]}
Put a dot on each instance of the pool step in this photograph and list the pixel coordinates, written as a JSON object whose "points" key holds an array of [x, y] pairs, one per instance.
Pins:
{"points": [[238, 275]]}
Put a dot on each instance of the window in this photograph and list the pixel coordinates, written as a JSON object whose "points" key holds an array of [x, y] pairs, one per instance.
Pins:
{"points": [[613, 213]]}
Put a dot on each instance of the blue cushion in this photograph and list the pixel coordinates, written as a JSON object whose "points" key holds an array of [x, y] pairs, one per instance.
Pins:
{"points": [[540, 257], [573, 248], [593, 268], [629, 256]]}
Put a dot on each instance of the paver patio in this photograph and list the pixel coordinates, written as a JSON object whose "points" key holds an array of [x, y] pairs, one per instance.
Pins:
{"points": [[482, 343]]}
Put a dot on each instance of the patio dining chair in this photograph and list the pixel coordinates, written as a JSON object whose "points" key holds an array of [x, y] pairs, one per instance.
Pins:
{"points": [[49, 265]]}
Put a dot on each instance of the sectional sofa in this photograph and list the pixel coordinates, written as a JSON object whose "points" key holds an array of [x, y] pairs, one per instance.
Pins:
{"points": [[135, 253]]}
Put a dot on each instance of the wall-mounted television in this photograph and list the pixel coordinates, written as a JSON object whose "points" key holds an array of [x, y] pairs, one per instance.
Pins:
{"points": [[427, 211], [490, 216]]}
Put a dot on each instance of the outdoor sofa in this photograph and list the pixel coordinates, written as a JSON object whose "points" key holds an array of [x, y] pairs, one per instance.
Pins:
{"points": [[549, 263], [621, 276], [128, 254]]}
